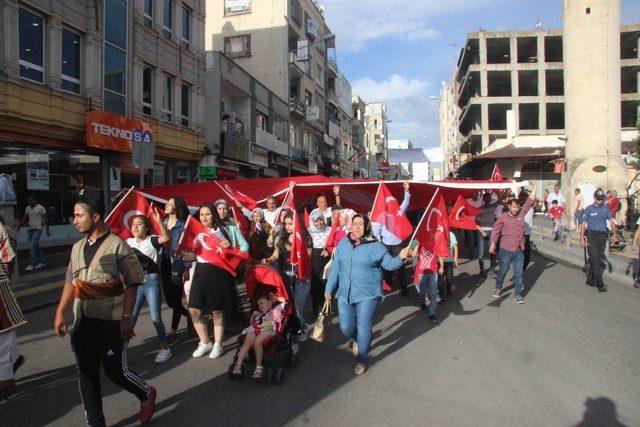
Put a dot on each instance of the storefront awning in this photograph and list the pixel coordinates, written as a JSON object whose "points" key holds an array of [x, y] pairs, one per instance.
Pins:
{"points": [[513, 152]]}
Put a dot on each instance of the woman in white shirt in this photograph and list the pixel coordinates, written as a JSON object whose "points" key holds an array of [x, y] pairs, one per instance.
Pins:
{"points": [[147, 249]]}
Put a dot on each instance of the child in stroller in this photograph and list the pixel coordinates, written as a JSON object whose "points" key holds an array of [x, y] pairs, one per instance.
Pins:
{"points": [[267, 340], [264, 324]]}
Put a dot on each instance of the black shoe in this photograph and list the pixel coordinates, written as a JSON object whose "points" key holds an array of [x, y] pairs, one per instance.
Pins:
{"points": [[404, 292], [589, 282], [636, 284], [423, 307], [602, 289], [433, 318], [19, 362]]}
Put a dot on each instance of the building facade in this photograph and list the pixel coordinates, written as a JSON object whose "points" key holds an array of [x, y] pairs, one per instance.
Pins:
{"points": [[249, 140], [360, 140], [378, 136], [400, 170], [287, 45], [137, 65], [509, 89]]}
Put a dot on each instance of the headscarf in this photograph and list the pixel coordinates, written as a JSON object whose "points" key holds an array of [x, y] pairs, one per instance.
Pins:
{"points": [[316, 215], [258, 224], [220, 202], [367, 237], [347, 215]]}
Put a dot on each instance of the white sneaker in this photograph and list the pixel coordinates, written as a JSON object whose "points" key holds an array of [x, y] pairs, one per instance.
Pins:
{"points": [[202, 349], [163, 355], [30, 268], [216, 352], [41, 265]]}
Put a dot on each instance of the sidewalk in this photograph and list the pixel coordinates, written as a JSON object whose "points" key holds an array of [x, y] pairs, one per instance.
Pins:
{"points": [[620, 266]]}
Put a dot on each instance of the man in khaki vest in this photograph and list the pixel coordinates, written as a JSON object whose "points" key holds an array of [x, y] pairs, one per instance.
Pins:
{"points": [[101, 283]]}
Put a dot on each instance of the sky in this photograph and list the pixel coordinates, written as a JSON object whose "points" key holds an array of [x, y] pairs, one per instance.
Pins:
{"points": [[398, 51]]}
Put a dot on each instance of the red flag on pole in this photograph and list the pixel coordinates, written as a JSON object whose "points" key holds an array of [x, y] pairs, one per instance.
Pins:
{"points": [[307, 220], [460, 216], [241, 221], [386, 211], [238, 196], [205, 244], [496, 175], [131, 205], [299, 253], [287, 203]]}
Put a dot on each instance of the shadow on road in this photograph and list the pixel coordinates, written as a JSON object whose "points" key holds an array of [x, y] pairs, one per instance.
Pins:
{"points": [[600, 411]]}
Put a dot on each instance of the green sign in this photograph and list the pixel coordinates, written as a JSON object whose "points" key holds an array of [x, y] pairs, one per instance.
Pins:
{"points": [[207, 173]]}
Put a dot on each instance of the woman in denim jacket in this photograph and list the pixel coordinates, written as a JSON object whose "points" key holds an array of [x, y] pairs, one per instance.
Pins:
{"points": [[357, 267]]}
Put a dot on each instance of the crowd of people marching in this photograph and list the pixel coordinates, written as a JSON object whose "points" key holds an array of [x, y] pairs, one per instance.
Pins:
{"points": [[353, 259]]}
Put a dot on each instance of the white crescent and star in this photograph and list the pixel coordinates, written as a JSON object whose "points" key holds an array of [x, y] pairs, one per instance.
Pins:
{"points": [[201, 238], [436, 211], [458, 212]]}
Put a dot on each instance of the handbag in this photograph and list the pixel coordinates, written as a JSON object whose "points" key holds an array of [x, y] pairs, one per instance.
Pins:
{"points": [[321, 328]]}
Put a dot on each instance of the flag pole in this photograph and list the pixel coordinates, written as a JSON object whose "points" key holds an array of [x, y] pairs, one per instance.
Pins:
{"points": [[423, 215], [118, 204], [375, 199], [225, 191]]}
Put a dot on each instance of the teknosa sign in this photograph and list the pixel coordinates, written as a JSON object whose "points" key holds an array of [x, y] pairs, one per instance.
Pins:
{"points": [[111, 132]]}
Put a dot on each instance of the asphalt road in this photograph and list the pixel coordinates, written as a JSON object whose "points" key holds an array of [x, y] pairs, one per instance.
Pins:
{"points": [[569, 356]]}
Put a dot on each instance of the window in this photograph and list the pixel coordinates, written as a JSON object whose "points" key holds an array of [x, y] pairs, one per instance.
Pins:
{"points": [[167, 18], [70, 61], [232, 7], [147, 90], [148, 13], [115, 56], [185, 104], [31, 45], [238, 45], [186, 27], [167, 87], [262, 121], [308, 98]]}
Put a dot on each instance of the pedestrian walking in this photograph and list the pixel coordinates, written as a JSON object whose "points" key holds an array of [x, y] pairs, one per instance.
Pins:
{"points": [[594, 234], [35, 217], [634, 247], [426, 277], [485, 220], [357, 265], [394, 244], [557, 213], [578, 208], [445, 271], [528, 225], [509, 229], [173, 267], [545, 200], [101, 282], [147, 249], [320, 256], [212, 287]]}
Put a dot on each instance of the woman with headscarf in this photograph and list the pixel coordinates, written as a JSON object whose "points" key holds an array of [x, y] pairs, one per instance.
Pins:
{"points": [[319, 232], [212, 287], [357, 265], [258, 236], [338, 233]]}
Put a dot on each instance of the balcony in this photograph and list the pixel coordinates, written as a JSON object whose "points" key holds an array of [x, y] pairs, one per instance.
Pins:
{"points": [[298, 154], [268, 141], [298, 68], [297, 107], [235, 147], [332, 97], [332, 65]]}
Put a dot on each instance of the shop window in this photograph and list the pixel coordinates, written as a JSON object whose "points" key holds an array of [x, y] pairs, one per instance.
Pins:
{"points": [[185, 104], [167, 19], [167, 104], [31, 45], [147, 90], [234, 7], [238, 45], [70, 61], [186, 27], [148, 13]]}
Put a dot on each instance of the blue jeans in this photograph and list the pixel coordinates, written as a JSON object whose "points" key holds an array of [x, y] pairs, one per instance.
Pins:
{"points": [[483, 248], [429, 282], [356, 323], [35, 253], [150, 291], [506, 258], [301, 290]]}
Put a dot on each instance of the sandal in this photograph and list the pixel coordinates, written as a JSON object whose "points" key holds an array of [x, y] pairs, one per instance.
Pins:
{"points": [[257, 373], [237, 371]]}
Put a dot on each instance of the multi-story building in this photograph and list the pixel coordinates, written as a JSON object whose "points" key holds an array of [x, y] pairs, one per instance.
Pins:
{"points": [[81, 82], [508, 90], [288, 46], [400, 170], [250, 138], [359, 138], [378, 136]]}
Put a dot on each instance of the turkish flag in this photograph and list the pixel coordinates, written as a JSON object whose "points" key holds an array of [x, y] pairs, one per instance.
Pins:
{"points": [[287, 203], [496, 175], [238, 196], [307, 220], [299, 253], [386, 211], [241, 221], [461, 213], [131, 205], [427, 263], [433, 229], [201, 241]]}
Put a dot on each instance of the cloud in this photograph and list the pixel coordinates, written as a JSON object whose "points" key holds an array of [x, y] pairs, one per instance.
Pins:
{"points": [[413, 114], [371, 20]]}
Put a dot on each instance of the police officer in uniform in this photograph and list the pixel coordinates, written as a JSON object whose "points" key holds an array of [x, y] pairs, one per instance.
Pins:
{"points": [[594, 228]]}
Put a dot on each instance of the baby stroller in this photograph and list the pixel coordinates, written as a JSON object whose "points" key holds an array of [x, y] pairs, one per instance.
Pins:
{"points": [[278, 352]]}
